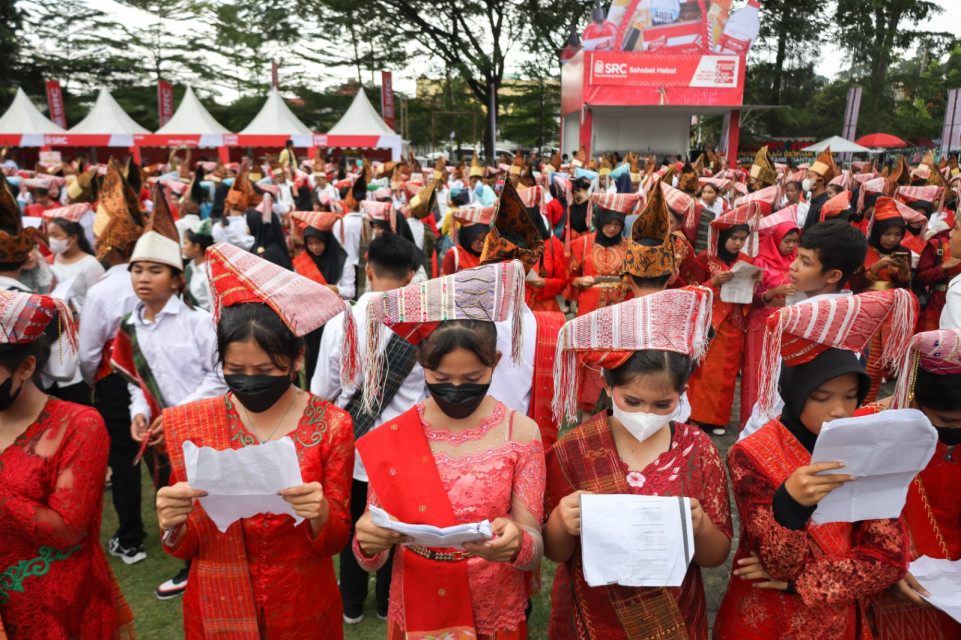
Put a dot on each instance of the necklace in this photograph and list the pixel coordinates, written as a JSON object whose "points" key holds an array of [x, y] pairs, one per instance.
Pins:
{"points": [[276, 426]]}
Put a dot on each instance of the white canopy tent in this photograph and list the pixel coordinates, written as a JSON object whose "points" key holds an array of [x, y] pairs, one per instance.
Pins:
{"points": [[192, 118], [24, 119], [275, 118], [107, 118], [361, 119], [838, 145]]}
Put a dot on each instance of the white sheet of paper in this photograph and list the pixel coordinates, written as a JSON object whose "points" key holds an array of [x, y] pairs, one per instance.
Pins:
{"points": [[32, 222], [740, 288], [635, 541], [63, 289], [942, 579], [242, 483], [532, 275], [884, 451], [427, 535]]}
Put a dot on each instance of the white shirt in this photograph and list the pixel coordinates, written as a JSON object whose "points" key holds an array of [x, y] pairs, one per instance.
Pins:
{"points": [[234, 233], [417, 230], [352, 224], [87, 271], [180, 348], [329, 189], [951, 313], [199, 285], [717, 208], [108, 301], [512, 383], [802, 213], [327, 384], [347, 285], [757, 420]]}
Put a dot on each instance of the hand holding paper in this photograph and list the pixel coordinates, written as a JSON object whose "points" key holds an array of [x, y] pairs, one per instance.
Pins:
{"points": [[740, 288], [942, 580], [426, 535], [241, 483]]}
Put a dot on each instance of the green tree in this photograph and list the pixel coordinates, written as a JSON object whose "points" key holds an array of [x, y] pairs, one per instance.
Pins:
{"points": [[168, 55], [11, 22], [789, 30]]}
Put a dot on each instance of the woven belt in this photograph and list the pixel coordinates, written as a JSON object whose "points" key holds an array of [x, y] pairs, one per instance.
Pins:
{"points": [[440, 556]]}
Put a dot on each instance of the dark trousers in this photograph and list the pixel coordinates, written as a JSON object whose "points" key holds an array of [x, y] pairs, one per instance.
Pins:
{"points": [[353, 578], [112, 400]]}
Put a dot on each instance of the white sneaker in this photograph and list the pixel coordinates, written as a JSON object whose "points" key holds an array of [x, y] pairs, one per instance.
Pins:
{"points": [[173, 587], [129, 555], [356, 620], [719, 431]]}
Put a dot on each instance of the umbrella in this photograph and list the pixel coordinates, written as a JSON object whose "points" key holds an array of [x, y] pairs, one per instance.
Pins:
{"points": [[881, 141], [923, 142], [838, 145]]}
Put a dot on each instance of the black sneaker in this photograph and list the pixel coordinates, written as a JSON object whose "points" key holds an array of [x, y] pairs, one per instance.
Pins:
{"points": [[129, 555], [173, 587]]}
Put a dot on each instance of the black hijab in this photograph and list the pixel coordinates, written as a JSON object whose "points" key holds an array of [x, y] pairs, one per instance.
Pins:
{"points": [[331, 262], [878, 229], [269, 241], [797, 383], [466, 235], [723, 236], [540, 222], [603, 216]]}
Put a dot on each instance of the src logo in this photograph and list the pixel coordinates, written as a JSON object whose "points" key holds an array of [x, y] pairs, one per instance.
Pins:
{"points": [[610, 69]]}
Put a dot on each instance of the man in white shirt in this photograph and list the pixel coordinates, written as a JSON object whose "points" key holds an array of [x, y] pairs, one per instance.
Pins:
{"points": [[388, 267], [349, 229], [951, 313]]}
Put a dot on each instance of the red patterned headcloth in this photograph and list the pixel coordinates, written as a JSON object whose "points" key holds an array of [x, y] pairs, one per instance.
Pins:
{"points": [[930, 193], [489, 293], [768, 197], [936, 351], [672, 320], [383, 211], [749, 214], [798, 333], [237, 276], [320, 220], [531, 197], [766, 225], [620, 202], [836, 205], [71, 212], [682, 205], [25, 316]]}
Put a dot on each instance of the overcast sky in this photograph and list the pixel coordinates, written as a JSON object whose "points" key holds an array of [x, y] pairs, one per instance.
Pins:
{"points": [[404, 80]]}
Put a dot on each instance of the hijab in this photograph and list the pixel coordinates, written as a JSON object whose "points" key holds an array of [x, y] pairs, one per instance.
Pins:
{"points": [[723, 236], [799, 382], [878, 229], [603, 216], [269, 241], [543, 227], [467, 234], [331, 262], [769, 255], [578, 212]]}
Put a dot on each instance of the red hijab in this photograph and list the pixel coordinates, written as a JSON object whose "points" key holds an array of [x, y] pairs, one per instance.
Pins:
{"points": [[770, 258]]}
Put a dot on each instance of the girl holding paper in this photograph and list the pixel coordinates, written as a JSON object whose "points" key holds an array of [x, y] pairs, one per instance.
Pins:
{"points": [[459, 457], [711, 389], [634, 448], [930, 381], [794, 578], [265, 577]]}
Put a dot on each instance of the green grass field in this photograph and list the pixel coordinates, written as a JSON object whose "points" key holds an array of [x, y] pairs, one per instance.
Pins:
{"points": [[162, 620]]}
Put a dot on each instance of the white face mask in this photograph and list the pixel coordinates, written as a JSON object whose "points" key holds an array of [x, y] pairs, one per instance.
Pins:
{"points": [[806, 184], [639, 424], [58, 245]]}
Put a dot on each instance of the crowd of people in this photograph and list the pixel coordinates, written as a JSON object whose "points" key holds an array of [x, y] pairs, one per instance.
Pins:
{"points": [[454, 344]]}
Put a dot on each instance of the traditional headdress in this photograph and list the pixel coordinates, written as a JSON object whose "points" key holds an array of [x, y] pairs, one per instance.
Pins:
{"points": [[84, 188], [16, 245], [381, 211], [687, 182], [119, 222], [654, 223], [476, 168], [748, 214], [797, 333], [622, 203], [489, 293], [513, 227], [936, 351], [929, 194], [25, 316], [160, 241], [422, 204], [320, 220], [580, 158], [676, 320], [237, 276], [825, 166], [836, 206], [763, 170], [242, 195]]}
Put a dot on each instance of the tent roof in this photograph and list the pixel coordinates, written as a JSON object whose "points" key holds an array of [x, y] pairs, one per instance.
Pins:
{"points": [[838, 145], [275, 118], [361, 119], [192, 118], [107, 117], [24, 117]]}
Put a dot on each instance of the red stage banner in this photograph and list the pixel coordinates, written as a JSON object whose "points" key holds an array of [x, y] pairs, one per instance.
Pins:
{"points": [[387, 99], [653, 70], [55, 104], [165, 101]]}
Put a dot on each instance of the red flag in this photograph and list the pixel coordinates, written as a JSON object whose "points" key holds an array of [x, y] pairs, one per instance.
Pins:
{"points": [[55, 103], [387, 99], [274, 79], [165, 101]]}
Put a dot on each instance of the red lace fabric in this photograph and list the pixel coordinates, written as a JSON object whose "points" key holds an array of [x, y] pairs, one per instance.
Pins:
{"points": [[54, 578], [481, 485], [292, 573]]}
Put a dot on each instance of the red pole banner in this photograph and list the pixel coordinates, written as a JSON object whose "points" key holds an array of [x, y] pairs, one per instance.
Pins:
{"points": [[55, 104], [165, 101], [387, 99], [951, 133], [274, 78]]}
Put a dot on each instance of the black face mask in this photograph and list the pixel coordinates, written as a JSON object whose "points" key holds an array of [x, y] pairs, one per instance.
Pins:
{"points": [[258, 393], [458, 400], [950, 436], [6, 398]]}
